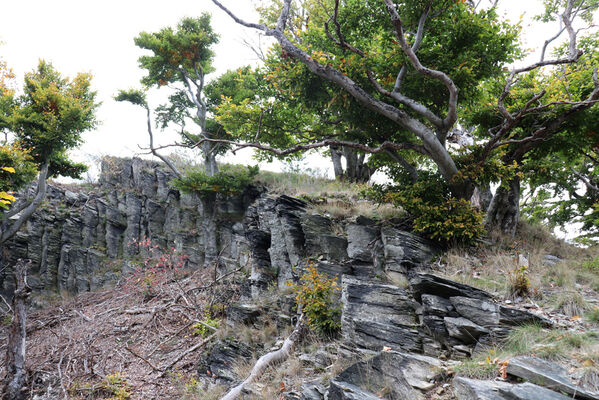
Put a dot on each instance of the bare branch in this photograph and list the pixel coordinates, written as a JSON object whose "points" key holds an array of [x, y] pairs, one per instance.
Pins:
{"points": [[153, 149], [260, 27], [587, 182], [417, 42], [439, 75], [323, 143]]}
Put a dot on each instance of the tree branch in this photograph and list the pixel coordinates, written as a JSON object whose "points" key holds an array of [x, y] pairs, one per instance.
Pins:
{"points": [[12, 228], [441, 76]]}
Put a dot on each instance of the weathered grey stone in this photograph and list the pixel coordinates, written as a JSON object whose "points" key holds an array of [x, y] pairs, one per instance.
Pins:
{"points": [[547, 374], [435, 305], [514, 317], [360, 239], [430, 284], [390, 374], [470, 389], [484, 312], [464, 329], [242, 313], [377, 315], [219, 359], [529, 391], [405, 250]]}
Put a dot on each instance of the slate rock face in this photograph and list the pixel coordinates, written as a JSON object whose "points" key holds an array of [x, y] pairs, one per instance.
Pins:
{"points": [[376, 315], [547, 374], [218, 361], [470, 389], [390, 374]]}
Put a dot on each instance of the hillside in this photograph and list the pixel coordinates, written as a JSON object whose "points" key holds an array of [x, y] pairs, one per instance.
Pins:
{"points": [[123, 308]]}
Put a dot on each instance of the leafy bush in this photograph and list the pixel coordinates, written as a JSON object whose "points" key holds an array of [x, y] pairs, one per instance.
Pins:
{"points": [[315, 294], [226, 182], [202, 330], [519, 282], [435, 213], [116, 386]]}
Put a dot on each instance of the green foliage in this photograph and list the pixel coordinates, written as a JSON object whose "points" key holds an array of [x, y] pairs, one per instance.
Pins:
{"points": [[186, 48], [202, 330], [116, 386], [227, 182], [433, 210], [17, 168], [315, 295], [50, 116], [519, 282], [591, 265]]}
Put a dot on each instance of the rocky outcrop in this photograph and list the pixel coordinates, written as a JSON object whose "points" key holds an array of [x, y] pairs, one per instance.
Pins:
{"points": [[82, 238]]}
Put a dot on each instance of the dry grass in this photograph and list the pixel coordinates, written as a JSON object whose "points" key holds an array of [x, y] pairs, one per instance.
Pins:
{"points": [[343, 209], [487, 266]]}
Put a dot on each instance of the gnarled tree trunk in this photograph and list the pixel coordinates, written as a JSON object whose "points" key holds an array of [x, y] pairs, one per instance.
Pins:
{"points": [[16, 375], [504, 211], [356, 167]]}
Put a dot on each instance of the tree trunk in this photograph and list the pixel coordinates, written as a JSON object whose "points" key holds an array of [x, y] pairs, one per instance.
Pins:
{"points": [[504, 211], [210, 165], [337, 166], [16, 375], [482, 197], [209, 213], [356, 169]]}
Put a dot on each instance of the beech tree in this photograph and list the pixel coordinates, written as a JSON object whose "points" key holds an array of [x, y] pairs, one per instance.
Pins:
{"points": [[400, 36], [41, 125], [44, 123]]}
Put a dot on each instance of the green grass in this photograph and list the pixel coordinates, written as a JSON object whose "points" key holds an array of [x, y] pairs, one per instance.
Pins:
{"points": [[551, 344]]}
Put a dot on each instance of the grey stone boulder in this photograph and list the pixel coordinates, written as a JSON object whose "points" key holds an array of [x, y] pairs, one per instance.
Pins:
{"points": [[547, 374], [484, 312], [360, 240], [219, 359], [389, 375], [435, 305], [470, 389], [464, 329], [376, 315], [404, 250], [529, 391], [422, 283], [347, 391]]}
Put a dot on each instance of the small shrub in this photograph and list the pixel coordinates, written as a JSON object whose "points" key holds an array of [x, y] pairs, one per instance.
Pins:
{"points": [[434, 211], [591, 265], [202, 330], [315, 294], [519, 282], [226, 182], [116, 386]]}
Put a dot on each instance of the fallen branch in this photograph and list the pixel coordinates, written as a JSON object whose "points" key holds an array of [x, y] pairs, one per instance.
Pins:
{"points": [[186, 352], [269, 359], [143, 359]]}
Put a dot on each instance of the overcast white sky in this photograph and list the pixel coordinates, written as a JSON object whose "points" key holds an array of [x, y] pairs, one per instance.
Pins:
{"points": [[97, 36]]}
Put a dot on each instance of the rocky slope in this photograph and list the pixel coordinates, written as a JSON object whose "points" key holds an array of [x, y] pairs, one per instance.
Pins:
{"points": [[401, 325]]}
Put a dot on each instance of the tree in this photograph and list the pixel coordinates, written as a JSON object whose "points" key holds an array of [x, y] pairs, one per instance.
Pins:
{"points": [[387, 67], [182, 57], [44, 123]]}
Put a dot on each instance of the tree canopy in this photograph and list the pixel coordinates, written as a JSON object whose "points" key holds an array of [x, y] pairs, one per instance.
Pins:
{"points": [[41, 125]]}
